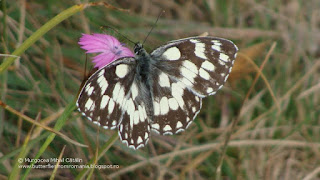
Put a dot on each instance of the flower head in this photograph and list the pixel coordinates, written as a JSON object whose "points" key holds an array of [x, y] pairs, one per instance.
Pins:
{"points": [[108, 46]]}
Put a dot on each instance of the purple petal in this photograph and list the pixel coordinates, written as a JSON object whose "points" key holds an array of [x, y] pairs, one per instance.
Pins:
{"points": [[109, 47]]}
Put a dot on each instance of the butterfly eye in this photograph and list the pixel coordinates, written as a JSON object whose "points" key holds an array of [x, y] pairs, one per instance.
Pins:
{"points": [[138, 48]]}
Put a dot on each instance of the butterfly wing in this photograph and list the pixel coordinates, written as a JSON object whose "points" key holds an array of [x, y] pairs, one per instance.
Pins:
{"points": [[203, 64], [175, 106], [103, 95], [112, 97], [188, 69]]}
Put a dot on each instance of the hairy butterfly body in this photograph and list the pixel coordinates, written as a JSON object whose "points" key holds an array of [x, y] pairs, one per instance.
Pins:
{"points": [[161, 91]]}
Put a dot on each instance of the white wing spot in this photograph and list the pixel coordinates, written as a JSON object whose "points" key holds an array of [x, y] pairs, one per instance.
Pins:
{"points": [[216, 42], [104, 101], [144, 112], [122, 70], [156, 108], [164, 107], [194, 109], [194, 41], [103, 83], [156, 126], [167, 128], [224, 57], [209, 90], [199, 50], [179, 125], [116, 90], [197, 98], [111, 106], [139, 140], [130, 106], [141, 114], [216, 47], [134, 90], [177, 93], [88, 104], [164, 80], [222, 62], [191, 66], [87, 87], [120, 96], [173, 104], [101, 72], [187, 74], [90, 90], [92, 107], [172, 54], [204, 74], [114, 123], [208, 66], [186, 82], [136, 118], [176, 90]]}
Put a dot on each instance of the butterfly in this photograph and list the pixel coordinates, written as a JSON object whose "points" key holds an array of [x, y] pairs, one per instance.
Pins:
{"points": [[161, 91]]}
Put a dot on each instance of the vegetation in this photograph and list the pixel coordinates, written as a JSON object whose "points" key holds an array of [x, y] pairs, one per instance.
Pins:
{"points": [[264, 124]]}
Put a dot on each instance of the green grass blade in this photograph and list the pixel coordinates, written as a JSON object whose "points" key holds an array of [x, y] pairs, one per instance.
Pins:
{"points": [[39, 33], [102, 151], [60, 122]]}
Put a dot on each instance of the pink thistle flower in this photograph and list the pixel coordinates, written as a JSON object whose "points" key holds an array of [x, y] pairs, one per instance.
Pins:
{"points": [[108, 46]]}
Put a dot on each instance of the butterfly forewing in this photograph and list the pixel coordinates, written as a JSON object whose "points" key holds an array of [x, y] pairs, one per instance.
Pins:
{"points": [[203, 64], [103, 96]]}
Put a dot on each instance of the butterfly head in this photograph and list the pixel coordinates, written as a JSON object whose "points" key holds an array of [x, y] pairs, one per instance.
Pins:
{"points": [[138, 49]]}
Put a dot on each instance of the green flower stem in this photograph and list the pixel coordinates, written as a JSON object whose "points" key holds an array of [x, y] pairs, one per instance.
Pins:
{"points": [[39, 33]]}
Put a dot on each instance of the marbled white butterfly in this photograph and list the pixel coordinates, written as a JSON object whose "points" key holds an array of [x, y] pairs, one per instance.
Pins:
{"points": [[161, 91]]}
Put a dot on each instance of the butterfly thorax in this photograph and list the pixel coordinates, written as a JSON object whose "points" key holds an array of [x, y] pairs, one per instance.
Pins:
{"points": [[144, 63], [143, 75]]}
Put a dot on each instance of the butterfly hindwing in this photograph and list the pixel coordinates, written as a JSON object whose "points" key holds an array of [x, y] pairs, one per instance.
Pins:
{"points": [[134, 129], [203, 64], [175, 106]]}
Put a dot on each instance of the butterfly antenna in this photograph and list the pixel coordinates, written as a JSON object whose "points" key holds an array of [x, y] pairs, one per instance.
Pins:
{"points": [[163, 11], [115, 30]]}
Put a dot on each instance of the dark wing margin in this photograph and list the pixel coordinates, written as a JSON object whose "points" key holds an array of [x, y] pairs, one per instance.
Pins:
{"points": [[203, 64]]}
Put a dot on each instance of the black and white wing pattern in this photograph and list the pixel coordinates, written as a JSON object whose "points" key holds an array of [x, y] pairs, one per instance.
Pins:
{"points": [[162, 91], [203, 64], [189, 69], [111, 98]]}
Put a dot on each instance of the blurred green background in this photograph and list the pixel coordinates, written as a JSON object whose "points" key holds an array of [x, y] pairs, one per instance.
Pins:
{"points": [[277, 135]]}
